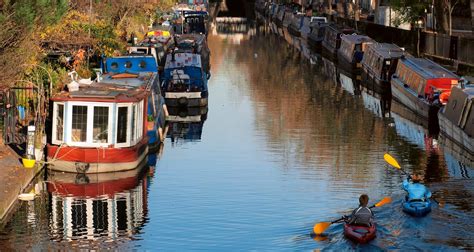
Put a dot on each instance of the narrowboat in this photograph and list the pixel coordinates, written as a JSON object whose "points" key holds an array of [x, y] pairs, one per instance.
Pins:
{"points": [[315, 38], [195, 22], [83, 206], [157, 50], [194, 43], [456, 119], [295, 25], [103, 125], [379, 64], [351, 51], [305, 30], [279, 15], [422, 85], [332, 39], [184, 81]]}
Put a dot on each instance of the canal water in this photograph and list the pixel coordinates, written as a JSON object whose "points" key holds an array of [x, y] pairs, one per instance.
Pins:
{"points": [[284, 144]]}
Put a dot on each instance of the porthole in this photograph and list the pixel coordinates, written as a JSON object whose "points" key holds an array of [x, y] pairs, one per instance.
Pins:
{"points": [[128, 64], [142, 64], [114, 65]]}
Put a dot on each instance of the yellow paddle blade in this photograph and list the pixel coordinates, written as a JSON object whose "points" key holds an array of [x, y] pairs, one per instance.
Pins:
{"points": [[384, 201], [321, 227], [390, 160]]}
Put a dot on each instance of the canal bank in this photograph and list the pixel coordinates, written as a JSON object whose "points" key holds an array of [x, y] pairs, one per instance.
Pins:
{"points": [[14, 181]]}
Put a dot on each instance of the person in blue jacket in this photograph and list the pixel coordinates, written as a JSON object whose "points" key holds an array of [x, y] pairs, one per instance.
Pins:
{"points": [[416, 191]]}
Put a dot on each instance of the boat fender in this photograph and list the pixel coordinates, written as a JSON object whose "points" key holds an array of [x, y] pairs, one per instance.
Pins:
{"points": [[183, 101]]}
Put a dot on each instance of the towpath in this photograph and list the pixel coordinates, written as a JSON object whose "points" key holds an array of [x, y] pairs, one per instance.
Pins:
{"points": [[13, 180]]}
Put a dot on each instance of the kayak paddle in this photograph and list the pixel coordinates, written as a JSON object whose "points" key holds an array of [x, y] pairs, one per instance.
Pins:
{"points": [[319, 228], [391, 161]]}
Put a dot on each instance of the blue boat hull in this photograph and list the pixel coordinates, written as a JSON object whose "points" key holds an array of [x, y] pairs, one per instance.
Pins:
{"points": [[417, 208]]}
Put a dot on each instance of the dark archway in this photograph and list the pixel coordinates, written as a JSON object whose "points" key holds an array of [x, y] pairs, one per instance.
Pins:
{"points": [[236, 8]]}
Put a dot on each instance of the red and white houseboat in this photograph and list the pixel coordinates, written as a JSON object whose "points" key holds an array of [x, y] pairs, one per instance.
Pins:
{"points": [[102, 126], [422, 85]]}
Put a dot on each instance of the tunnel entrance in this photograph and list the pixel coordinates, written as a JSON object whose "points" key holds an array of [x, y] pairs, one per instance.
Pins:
{"points": [[236, 8]]}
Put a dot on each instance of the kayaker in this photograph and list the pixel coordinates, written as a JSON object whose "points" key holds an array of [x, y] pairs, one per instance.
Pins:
{"points": [[361, 216], [416, 191]]}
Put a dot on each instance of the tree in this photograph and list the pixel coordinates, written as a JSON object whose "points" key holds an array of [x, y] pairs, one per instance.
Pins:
{"points": [[409, 11], [448, 11]]}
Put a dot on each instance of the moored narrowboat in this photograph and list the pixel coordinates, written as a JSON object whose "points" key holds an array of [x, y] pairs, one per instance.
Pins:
{"points": [[295, 25], [352, 50], [422, 85], [456, 119], [332, 39], [194, 43], [184, 80], [378, 65], [102, 126], [315, 38]]}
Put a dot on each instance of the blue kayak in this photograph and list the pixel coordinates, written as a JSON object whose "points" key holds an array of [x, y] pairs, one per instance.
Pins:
{"points": [[417, 208]]}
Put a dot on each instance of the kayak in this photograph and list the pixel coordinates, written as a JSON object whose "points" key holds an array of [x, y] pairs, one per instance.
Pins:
{"points": [[360, 234], [417, 208]]}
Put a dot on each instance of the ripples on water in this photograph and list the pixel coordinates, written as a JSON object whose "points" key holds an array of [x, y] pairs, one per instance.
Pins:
{"points": [[282, 146]]}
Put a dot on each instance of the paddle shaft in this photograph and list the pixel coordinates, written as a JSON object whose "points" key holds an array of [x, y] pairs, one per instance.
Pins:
{"points": [[342, 218]]}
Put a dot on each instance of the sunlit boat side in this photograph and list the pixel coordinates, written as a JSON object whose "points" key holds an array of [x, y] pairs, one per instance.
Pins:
{"points": [[379, 64], [422, 85], [332, 39], [351, 51], [456, 119]]}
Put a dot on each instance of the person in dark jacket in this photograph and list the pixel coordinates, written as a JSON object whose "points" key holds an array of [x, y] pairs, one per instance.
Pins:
{"points": [[361, 216]]}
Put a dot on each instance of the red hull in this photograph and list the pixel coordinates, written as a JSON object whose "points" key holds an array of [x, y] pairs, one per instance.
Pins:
{"points": [[359, 234], [97, 155]]}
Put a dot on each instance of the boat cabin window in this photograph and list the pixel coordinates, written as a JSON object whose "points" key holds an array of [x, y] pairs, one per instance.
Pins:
{"points": [[97, 124], [58, 123], [142, 50], [79, 124], [122, 125], [114, 66], [101, 125]]}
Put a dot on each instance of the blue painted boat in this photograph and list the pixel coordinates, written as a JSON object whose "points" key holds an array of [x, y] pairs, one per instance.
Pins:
{"points": [[156, 109], [184, 82], [417, 208]]}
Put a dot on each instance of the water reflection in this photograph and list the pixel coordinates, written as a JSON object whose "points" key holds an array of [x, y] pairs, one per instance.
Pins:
{"points": [[104, 207], [185, 124]]}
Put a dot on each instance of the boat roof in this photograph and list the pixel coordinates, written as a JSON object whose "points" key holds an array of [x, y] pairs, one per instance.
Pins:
{"points": [[114, 87], [386, 50], [427, 68], [356, 38], [189, 39], [183, 60]]}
